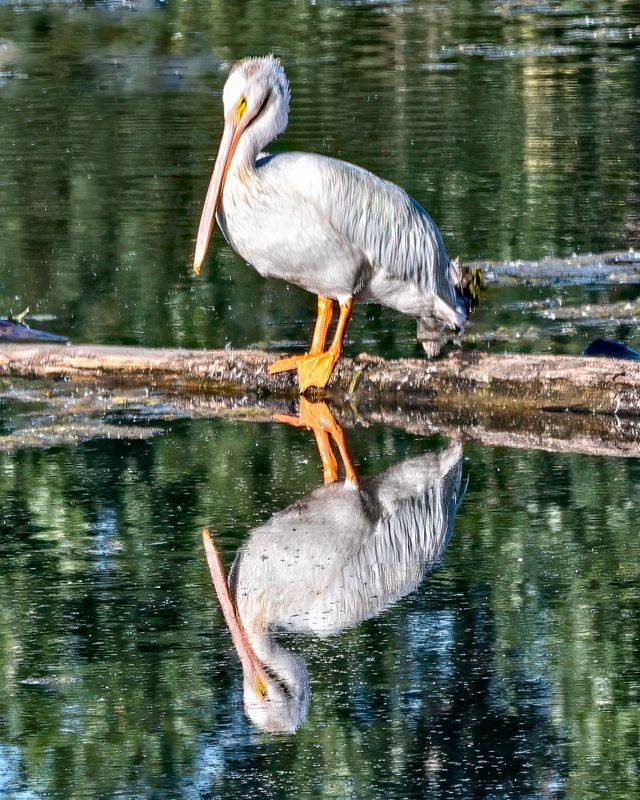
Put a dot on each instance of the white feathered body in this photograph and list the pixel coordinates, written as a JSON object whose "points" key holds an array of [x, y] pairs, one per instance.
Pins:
{"points": [[333, 559], [338, 231]]}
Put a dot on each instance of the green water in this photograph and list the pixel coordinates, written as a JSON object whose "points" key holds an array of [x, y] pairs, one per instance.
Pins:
{"points": [[513, 670]]}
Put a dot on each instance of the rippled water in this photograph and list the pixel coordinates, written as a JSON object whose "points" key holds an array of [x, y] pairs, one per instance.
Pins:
{"points": [[500, 656], [510, 671]]}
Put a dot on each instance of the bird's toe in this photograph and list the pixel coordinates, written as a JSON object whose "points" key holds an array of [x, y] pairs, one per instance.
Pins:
{"points": [[285, 364]]}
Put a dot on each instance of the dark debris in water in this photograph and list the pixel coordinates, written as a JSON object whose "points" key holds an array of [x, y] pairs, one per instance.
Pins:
{"points": [[608, 348], [15, 329]]}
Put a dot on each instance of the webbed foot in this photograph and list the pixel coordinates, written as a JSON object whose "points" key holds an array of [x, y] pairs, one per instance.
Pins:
{"points": [[316, 370], [285, 364], [318, 418]]}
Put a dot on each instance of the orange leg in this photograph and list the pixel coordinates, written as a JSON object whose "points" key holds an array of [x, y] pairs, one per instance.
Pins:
{"points": [[329, 463], [323, 320], [318, 418], [315, 370]]}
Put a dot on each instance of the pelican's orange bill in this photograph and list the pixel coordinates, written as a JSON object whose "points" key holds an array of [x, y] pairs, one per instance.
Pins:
{"points": [[233, 127], [251, 665]]}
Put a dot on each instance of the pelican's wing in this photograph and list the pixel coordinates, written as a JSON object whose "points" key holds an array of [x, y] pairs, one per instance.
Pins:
{"points": [[339, 556], [392, 231], [299, 553]]}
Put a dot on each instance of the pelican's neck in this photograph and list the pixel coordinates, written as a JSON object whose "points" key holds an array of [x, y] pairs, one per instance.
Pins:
{"points": [[244, 159], [261, 638], [288, 686], [260, 621], [269, 124]]}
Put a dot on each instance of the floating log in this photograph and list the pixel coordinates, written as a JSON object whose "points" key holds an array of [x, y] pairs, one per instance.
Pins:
{"points": [[559, 403], [518, 383], [620, 266]]}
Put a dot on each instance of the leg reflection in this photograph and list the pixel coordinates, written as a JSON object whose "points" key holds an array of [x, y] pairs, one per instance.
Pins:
{"points": [[318, 418]]}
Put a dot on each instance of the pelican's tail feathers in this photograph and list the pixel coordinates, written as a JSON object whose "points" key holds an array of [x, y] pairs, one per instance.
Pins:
{"points": [[455, 271]]}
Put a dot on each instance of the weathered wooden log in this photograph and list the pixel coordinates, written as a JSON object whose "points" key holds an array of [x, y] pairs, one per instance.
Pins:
{"points": [[518, 383]]}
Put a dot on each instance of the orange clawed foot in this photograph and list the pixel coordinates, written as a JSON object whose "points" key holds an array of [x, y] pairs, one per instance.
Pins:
{"points": [[285, 364], [316, 370], [312, 370], [315, 367]]}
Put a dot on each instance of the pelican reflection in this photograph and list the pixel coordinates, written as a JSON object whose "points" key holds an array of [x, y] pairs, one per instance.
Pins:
{"points": [[336, 557]]}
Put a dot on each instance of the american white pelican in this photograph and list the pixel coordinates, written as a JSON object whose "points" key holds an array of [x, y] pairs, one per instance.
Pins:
{"points": [[331, 560], [331, 227]]}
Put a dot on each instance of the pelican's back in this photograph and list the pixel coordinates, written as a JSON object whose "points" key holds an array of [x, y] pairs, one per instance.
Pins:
{"points": [[398, 239], [340, 231], [340, 556], [417, 502]]}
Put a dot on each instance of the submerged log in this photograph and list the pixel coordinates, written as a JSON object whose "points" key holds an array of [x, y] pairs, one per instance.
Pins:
{"points": [[518, 383], [620, 266]]}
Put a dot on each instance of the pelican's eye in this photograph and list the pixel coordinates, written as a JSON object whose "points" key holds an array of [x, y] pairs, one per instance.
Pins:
{"points": [[241, 107]]}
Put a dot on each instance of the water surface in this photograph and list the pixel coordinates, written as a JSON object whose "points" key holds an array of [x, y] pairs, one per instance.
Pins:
{"points": [[510, 671]]}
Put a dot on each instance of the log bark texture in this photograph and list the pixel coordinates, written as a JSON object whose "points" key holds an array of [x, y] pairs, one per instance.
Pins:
{"points": [[519, 383]]}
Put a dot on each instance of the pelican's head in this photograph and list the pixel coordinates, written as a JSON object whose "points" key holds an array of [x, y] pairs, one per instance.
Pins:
{"points": [[256, 108], [257, 87], [281, 703]]}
